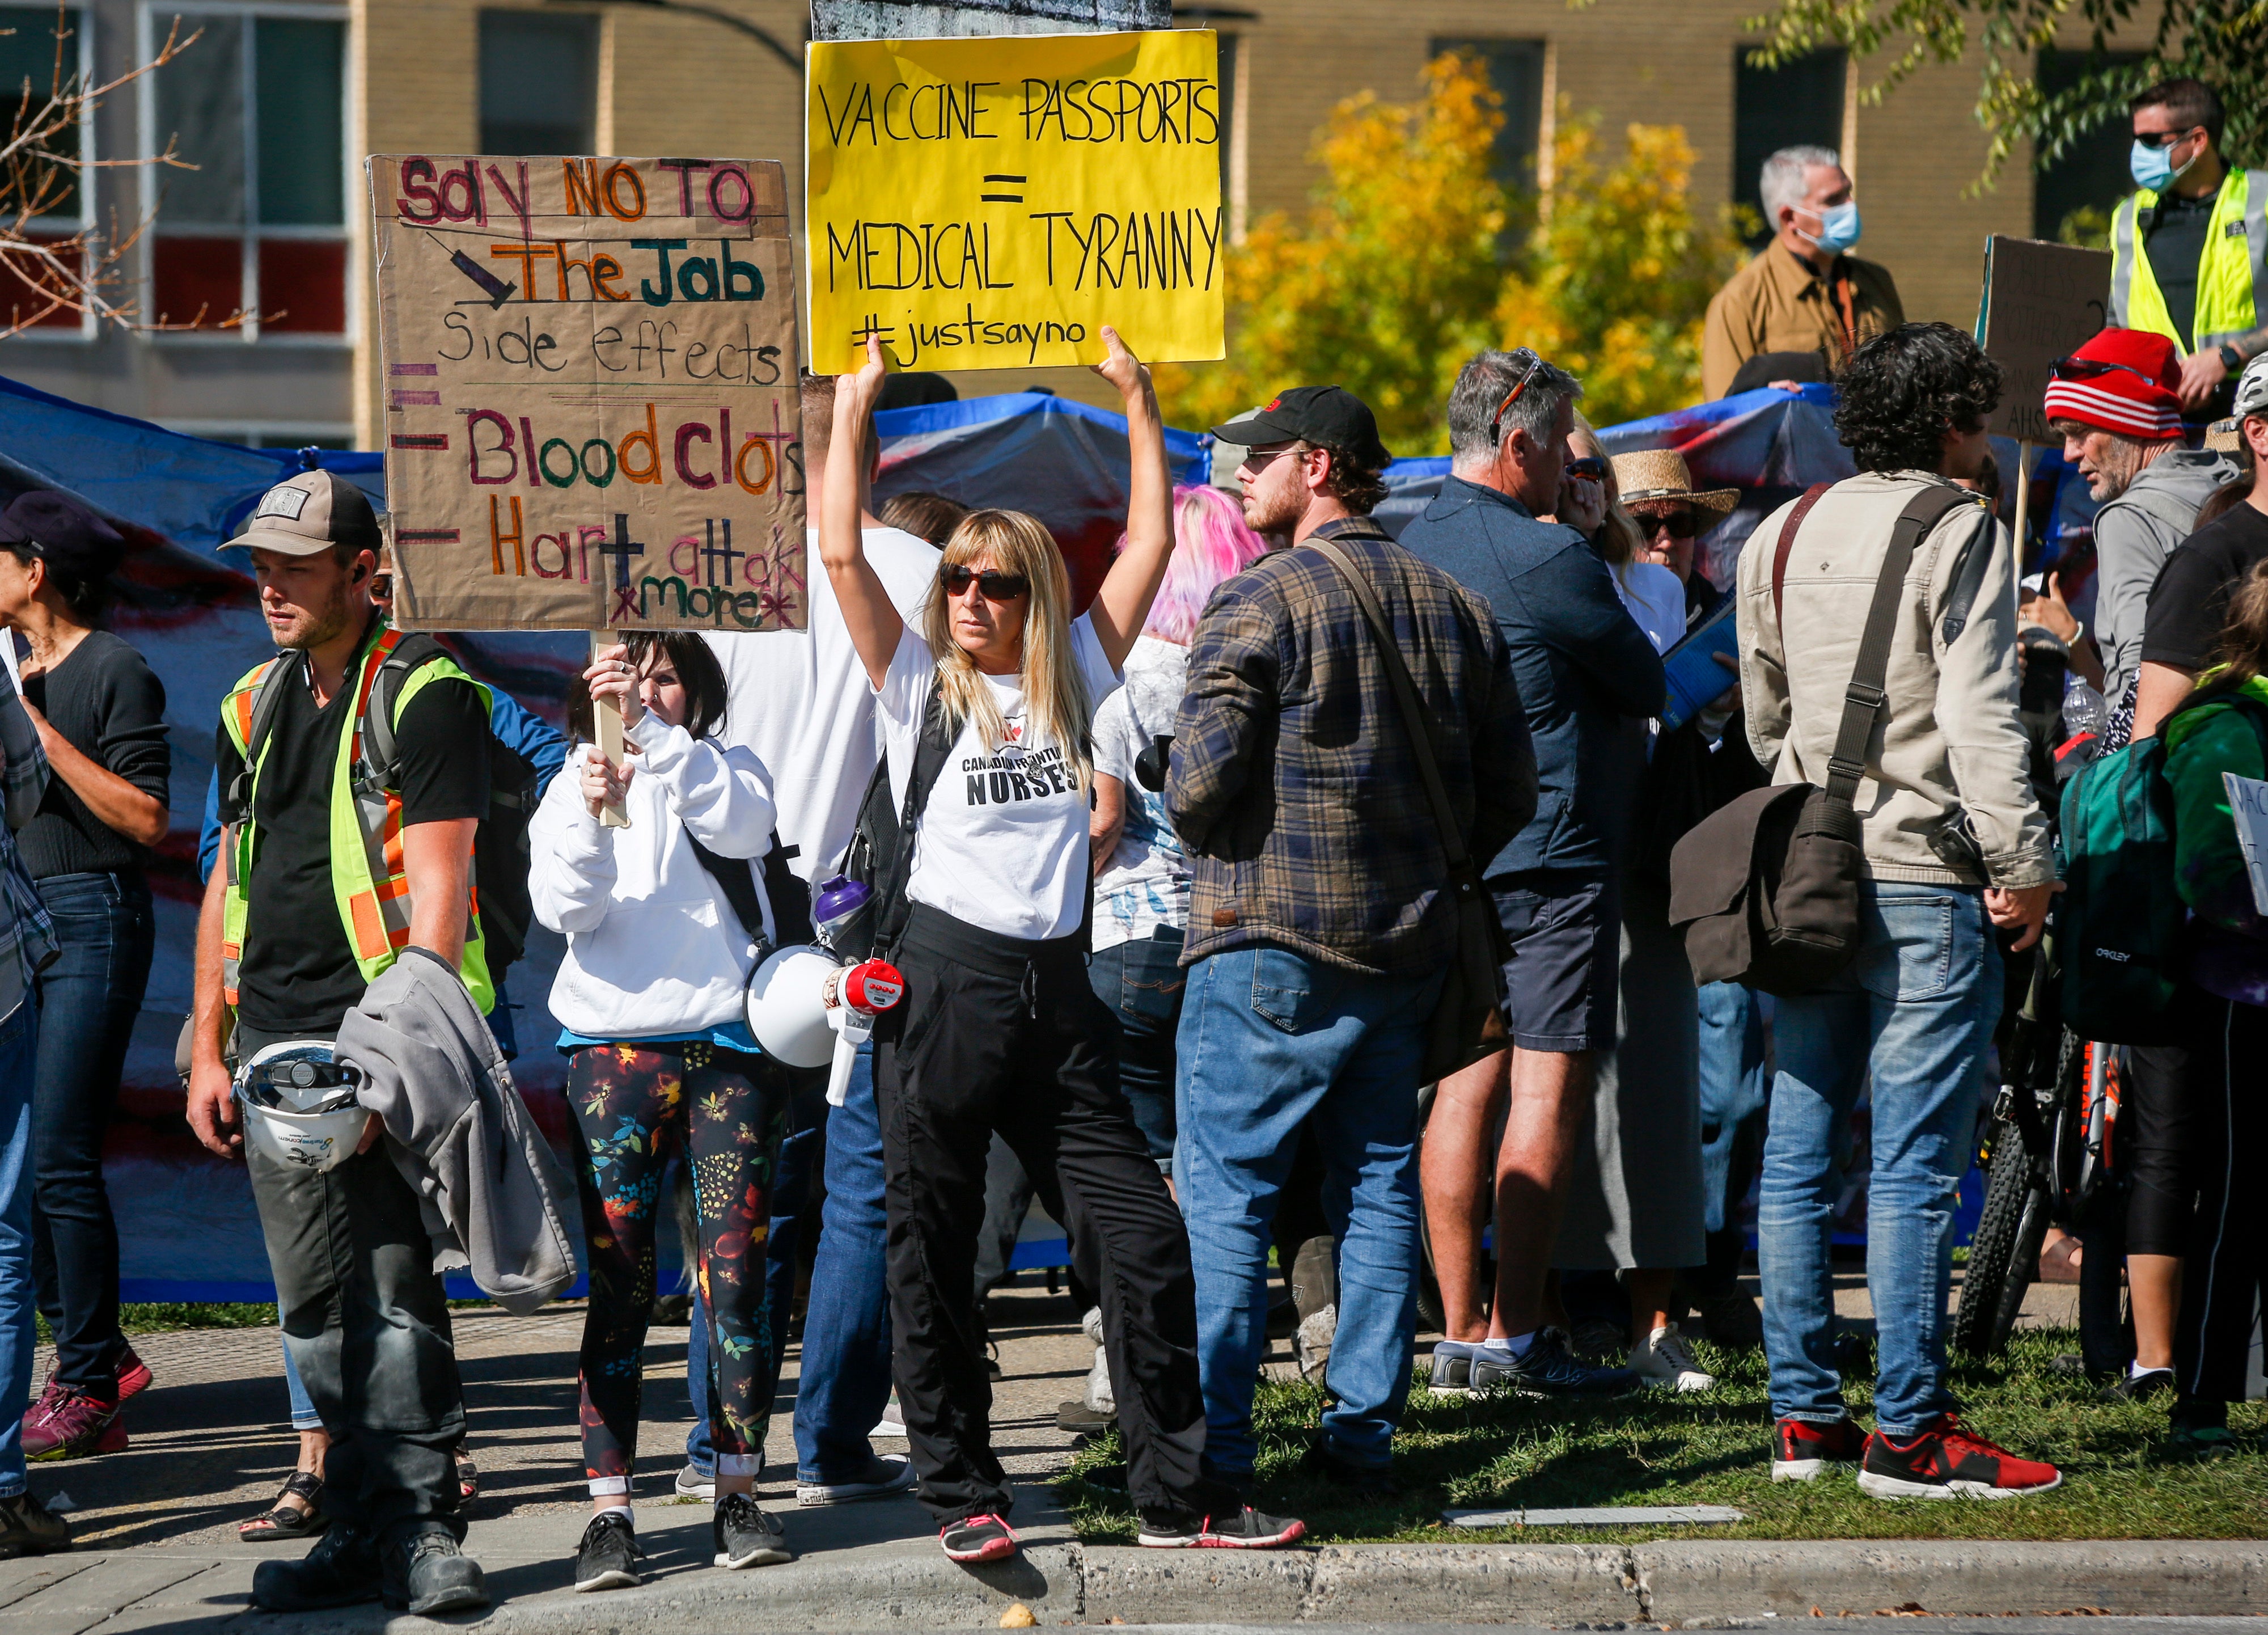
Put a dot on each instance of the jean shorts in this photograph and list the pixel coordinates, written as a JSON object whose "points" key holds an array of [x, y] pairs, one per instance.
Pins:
{"points": [[1563, 931]]}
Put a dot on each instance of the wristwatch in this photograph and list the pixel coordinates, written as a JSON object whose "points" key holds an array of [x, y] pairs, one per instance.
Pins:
{"points": [[2232, 359]]}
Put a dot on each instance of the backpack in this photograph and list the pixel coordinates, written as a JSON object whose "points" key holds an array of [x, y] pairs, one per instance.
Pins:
{"points": [[880, 854], [501, 858], [2120, 922]]}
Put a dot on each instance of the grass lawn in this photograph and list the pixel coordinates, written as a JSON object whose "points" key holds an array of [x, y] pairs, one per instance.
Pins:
{"points": [[1655, 1448]]}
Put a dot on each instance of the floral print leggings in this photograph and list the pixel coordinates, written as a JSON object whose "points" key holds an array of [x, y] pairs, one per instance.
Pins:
{"points": [[637, 1106]]}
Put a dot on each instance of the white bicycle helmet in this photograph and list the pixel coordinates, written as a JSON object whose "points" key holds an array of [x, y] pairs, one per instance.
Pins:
{"points": [[299, 1104]]}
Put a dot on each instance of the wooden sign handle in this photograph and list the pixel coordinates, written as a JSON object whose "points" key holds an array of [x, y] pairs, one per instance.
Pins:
{"points": [[2023, 499], [606, 721]]}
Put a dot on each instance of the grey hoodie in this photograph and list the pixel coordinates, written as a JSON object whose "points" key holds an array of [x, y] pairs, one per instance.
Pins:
{"points": [[2134, 533], [495, 1198]]}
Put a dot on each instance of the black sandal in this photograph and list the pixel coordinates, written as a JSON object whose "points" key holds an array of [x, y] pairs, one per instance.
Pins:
{"points": [[468, 1475], [285, 1522]]}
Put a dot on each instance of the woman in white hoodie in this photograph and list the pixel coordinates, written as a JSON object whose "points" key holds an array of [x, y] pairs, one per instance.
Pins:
{"points": [[662, 1062]]}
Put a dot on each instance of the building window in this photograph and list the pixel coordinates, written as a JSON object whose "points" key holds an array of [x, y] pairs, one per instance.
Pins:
{"points": [[259, 228], [2092, 176], [538, 83], [1515, 69], [1799, 103], [39, 43]]}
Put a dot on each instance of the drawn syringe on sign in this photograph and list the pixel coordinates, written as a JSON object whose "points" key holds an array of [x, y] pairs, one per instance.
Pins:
{"points": [[499, 290]]}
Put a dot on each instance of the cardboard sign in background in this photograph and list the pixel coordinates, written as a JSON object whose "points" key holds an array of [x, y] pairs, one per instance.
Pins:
{"points": [[592, 413], [991, 204], [2042, 302]]}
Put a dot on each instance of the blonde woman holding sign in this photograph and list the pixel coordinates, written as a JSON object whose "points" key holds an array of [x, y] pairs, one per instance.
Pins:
{"points": [[988, 699]]}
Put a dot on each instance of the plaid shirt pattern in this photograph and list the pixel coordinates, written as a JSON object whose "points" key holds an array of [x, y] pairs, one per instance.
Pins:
{"points": [[28, 936], [1293, 787]]}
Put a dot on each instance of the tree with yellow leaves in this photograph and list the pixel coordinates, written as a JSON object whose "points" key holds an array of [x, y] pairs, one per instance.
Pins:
{"points": [[1413, 258]]}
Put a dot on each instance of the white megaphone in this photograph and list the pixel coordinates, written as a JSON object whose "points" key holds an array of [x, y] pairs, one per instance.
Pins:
{"points": [[807, 1009]]}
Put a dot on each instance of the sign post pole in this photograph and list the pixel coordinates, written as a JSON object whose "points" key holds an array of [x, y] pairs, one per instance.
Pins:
{"points": [[2024, 496], [607, 724]]}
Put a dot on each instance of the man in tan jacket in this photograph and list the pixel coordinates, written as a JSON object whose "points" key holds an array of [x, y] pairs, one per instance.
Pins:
{"points": [[1956, 850], [1803, 293]]}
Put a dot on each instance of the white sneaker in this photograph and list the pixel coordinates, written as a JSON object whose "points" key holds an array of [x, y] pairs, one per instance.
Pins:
{"points": [[1311, 1342], [892, 1423], [1667, 1358], [1100, 1397]]}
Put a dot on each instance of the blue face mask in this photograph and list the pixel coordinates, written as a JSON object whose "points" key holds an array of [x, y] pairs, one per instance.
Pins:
{"points": [[1838, 227], [2153, 167]]}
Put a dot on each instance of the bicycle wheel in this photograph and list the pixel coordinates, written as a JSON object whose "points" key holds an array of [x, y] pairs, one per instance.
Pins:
{"points": [[1993, 1288]]}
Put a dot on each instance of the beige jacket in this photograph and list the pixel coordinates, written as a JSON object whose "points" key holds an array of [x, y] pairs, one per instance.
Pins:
{"points": [[1949, 733]]}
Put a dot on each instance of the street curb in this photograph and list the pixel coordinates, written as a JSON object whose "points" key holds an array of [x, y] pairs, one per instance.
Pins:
{"points": [[1667, 1584]]}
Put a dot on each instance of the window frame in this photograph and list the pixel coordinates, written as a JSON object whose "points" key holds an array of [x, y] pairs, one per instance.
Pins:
{"points": [[88, 328], [149, 14]]}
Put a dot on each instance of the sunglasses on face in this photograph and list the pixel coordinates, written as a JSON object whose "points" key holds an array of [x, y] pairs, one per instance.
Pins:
{"points": [[1588, 466], [1529, 364], [2161, 138], [1260, 459], [2092, 369], [1678, 524], [990, 585]]}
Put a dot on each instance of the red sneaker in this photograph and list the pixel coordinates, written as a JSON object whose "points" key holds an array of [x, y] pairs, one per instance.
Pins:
{"points": [[73, 1426], [978, 1538], [1803, 1448], [1946, 1461], [133, 1375]]}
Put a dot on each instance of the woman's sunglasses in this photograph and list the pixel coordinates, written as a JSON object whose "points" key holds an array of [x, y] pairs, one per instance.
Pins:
{"points": [[992, 586], [1588, 466], [1679, 523]]}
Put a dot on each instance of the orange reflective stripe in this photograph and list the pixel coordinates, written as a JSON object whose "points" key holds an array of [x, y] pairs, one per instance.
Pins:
{"points": [[371, 938]]}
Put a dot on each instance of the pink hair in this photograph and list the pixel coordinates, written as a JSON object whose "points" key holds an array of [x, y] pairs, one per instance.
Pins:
{"points": [[1211, 543]]}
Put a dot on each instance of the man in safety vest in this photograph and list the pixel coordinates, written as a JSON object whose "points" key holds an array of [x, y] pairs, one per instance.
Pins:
{"points": [[328, 870], [2187, 250]]}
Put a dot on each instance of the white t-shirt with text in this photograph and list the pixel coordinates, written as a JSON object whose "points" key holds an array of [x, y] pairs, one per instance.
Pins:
{"points": [[1002, 843]]}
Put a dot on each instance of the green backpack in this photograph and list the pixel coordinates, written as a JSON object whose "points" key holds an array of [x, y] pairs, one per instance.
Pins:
{"points": [[2119, 924]]}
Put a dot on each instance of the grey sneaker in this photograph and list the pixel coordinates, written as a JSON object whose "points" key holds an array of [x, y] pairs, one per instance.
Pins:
{"points": [[880, 1476], [1546, 1369], [691, 1483], [747, 1536]]}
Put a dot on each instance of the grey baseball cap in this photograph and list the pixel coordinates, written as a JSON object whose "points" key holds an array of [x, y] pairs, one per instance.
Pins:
{"points": [[310, 512]]}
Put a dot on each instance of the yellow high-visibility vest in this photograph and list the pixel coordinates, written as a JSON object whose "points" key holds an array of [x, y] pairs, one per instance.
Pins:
{"points": [[2229, 271]]}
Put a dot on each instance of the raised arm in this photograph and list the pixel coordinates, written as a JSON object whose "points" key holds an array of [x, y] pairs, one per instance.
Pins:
{"points": [[1122, 605], [868, 610]]}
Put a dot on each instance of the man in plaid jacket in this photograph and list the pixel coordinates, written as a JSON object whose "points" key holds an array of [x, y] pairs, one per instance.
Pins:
{"points": [[1319, 928]]}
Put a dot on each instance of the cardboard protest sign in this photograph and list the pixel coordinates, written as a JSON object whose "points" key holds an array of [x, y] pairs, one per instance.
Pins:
{"points": [[2247, 806], [589, 384], [924, 20], [991, 204], [2042, 302]]}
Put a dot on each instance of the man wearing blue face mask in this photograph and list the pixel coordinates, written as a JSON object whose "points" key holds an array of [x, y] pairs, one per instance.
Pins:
{"points": [[2187, 250], [1805, 292]]}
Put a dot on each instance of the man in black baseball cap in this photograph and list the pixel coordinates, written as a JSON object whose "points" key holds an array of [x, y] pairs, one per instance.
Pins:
{"points": [[1312, 456]]}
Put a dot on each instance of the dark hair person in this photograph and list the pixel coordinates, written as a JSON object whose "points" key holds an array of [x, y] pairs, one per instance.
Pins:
{"points": [[101, 716], [930, 517], [999, 1029], [649, 1000]]}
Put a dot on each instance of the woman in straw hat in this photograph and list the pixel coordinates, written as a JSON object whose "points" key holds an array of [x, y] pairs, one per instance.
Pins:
{"points": [[1635, 1204]]}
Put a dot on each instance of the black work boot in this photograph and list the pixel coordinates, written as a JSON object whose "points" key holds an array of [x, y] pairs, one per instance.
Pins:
{"points": [[426, 1572], [341, 1570]]}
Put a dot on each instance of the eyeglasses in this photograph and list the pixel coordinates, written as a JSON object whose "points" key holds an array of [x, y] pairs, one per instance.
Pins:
{"points": [[1588, 466], [1679, 523], [2163, 138], [1259, 458], [1496, 421], [991, 585], [2092, 368]]}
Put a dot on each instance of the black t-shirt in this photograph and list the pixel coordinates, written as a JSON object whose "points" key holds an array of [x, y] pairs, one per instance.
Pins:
{"points": [[2176, 244], [298, 974], [111, 707], [2189, 601]]}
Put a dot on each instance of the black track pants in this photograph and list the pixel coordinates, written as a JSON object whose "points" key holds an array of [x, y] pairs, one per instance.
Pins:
{"points": [[2225, 1271], [998, 1034]]}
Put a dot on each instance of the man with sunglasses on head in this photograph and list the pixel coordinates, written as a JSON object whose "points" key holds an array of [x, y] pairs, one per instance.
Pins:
{"points": [[1588, 681], [2188, 248], [2115, 404], [1804, 292]]}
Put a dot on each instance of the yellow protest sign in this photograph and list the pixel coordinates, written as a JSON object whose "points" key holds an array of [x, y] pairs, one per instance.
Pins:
{"points": [[990, 203], [592, 413]]}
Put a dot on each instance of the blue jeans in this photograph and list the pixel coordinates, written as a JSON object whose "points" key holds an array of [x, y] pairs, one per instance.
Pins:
{"points": [[1267, 1041], [1917, 1009], [304, 1417], [798, 1157], [1733, 1092], [1141, 981], [89, 998], [845, 1370], [19, 1050]]}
